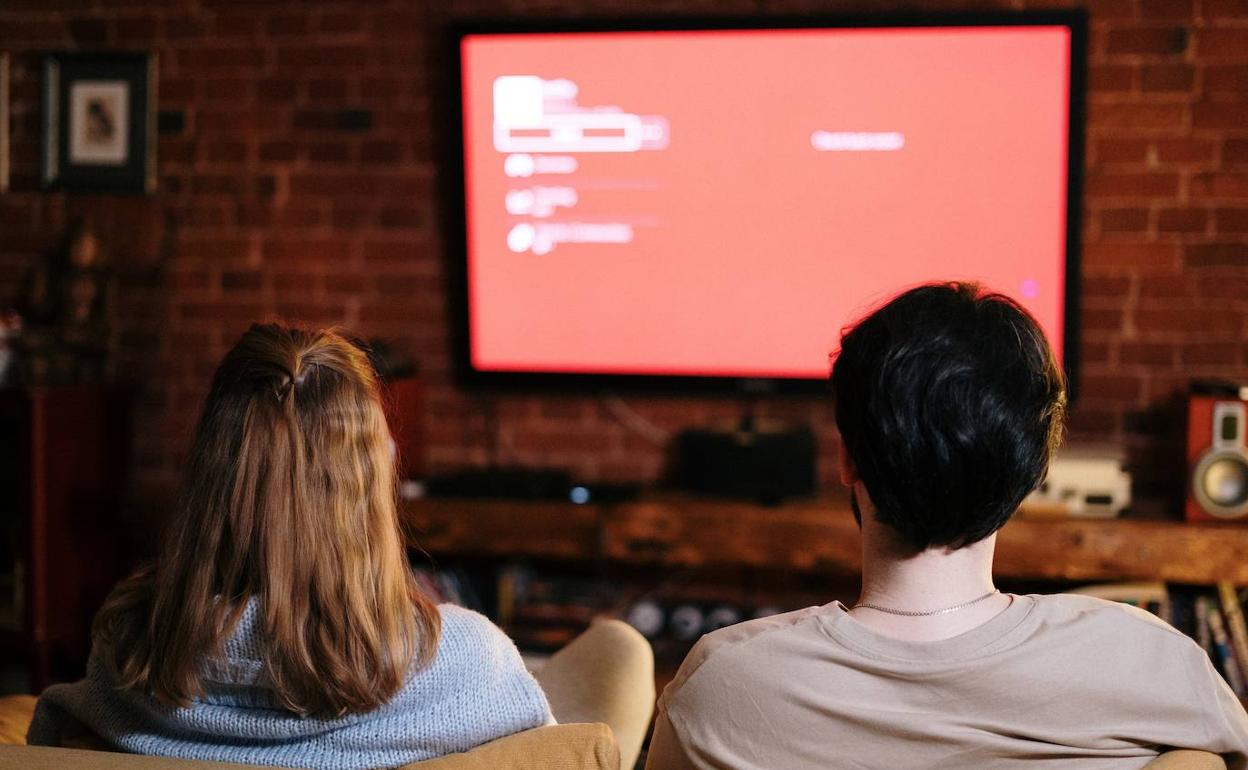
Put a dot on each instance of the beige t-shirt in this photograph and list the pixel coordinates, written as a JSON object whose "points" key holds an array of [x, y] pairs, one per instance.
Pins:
{"points": [[1051, 682]]}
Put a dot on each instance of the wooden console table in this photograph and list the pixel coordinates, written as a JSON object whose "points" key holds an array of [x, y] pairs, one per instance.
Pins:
{"points": [[811, 535]]}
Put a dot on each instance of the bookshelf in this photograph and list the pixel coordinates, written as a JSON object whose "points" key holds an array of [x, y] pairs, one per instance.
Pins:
{"points": [[818, 536]]}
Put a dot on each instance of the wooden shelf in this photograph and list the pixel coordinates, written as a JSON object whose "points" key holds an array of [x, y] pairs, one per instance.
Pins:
{"points": [[817, 535]]}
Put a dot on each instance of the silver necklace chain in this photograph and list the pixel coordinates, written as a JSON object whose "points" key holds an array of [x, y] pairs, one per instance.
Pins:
{"points": [[911, 614]]}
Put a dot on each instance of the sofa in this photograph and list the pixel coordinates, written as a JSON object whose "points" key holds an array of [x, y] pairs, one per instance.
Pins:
{"points": [[600, 688]]}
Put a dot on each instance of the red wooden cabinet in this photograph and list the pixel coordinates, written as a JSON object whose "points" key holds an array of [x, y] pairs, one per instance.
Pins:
{"points": [[64, 458]]}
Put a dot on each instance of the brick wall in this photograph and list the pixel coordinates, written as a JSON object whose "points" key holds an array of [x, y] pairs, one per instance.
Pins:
{"points": [[303, 184]]}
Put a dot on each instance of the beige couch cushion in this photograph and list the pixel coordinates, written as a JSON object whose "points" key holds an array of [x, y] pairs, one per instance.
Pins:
{"points": [[557, 747], [585, 746]]}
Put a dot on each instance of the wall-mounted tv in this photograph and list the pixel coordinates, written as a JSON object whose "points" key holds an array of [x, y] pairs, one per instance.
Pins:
{"points": [[707, 204]]}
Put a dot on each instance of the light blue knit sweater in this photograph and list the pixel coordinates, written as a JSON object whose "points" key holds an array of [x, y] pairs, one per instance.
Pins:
{"points": [[474, 691]]}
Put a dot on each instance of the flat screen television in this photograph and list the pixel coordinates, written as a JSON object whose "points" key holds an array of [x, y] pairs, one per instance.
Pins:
{"points": [[707, 205]]}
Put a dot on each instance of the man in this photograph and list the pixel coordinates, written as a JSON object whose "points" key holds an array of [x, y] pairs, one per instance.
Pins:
{"points": [[949, 404]]}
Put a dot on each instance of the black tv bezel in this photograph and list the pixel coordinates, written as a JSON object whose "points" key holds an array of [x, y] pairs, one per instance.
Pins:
{"points": [[455, 204]]}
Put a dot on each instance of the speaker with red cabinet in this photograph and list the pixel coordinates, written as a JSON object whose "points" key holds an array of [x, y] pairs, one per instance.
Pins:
{"points": [[1217, 452]]}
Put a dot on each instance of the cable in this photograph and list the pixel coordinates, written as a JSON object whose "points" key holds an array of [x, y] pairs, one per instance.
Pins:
{"points": [[634, 420]]}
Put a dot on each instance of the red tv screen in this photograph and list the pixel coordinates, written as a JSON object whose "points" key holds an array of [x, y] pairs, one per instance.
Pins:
{"points": [[720, 203]]}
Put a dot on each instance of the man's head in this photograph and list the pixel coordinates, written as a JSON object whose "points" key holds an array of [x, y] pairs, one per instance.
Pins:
{"points": [[950, 404]]}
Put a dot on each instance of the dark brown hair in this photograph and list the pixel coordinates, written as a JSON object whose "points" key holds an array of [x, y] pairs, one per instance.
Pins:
{"points": [[950, 404]]}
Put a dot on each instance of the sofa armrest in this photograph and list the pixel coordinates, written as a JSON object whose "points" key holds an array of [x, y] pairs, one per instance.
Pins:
{"points": [[583, 746], [1187, 760]]}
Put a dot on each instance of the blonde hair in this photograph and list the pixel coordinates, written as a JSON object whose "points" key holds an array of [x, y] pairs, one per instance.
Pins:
{"points": [[289, 498]]}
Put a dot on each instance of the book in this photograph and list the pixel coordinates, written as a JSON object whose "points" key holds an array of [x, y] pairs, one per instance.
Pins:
{"points": [[1222, 643], [1238, 631], [1203, 637]]}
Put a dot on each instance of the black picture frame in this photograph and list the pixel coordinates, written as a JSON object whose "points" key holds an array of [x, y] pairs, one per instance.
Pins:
{"points": [[451, 150], [99, 122]]}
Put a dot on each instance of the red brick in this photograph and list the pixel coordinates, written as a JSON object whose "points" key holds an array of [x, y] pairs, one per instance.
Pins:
{"points": [[1108, 286], [403, 284], [1220, 186], [276, 89], [344, 283], [1207, 321], [394, 217], [1231, 220], [178, 91], [1197, 353], [334, 185], [328, 56], [1232, 79], [88, 32], [1154, 287], [1132, 185], [1146, 40], [1088, 421], [1216, 254], [1235, 10], [236, 25], [384, 153], [226, 152], [1112, 77], [1156, 10], [298, 216], [1094, 352], [1167, 77], [1102, 319], [1182, 220], [1150, 256], [224, 310], [310, 251], [1124, 220], [1119, 387], [301, 312], [383, 89], [302, 282], [1103, 10], [1220, 115], [234, 280], [1184, 150], [1224, 286], [1121, 150], [213, 249], [348, 22], [1235, 152], [1223, 43], [197, 279], [1137, 115], [328, 89], [329, 152], [32, 31], [1147, 353], [220, 57], [287, 24], [350, 217], [228, 89], [280, 151]]}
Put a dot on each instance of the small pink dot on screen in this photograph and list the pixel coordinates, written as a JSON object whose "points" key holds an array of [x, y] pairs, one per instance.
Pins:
{"points": [[1030, 288]]}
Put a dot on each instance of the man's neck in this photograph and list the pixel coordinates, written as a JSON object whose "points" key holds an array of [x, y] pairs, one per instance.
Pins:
{"points": [[895, 577]]}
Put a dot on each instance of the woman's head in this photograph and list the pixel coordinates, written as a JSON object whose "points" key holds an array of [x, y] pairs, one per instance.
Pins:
{"points": [[289, 500]]}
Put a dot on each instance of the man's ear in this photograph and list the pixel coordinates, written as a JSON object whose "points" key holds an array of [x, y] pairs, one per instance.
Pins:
{"points": [[844, 463]]}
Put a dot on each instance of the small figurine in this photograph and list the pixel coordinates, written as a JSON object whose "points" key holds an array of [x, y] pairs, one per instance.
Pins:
{"points": [[65, 309]]}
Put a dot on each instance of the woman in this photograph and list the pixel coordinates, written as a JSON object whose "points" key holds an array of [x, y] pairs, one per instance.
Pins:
{"points": [[280, 624]]}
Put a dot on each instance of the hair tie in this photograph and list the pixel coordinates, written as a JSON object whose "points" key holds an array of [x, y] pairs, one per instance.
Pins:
{"points": [[284, 387]]}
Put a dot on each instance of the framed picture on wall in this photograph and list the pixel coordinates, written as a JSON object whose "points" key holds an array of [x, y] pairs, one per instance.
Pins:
{"points": [[99, 122], [4, 122]]}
